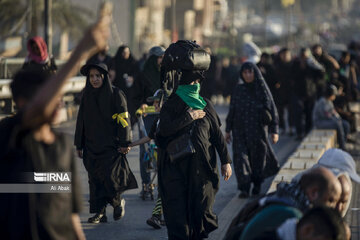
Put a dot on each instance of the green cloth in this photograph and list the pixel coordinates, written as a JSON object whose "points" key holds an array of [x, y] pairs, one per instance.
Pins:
{"points": [[190, 95], [270, 217]]}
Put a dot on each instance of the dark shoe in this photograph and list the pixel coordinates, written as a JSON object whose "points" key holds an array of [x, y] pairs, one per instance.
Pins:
{"points": [[256, 190], [119, 211], [98, 218], [154, 221], [350, 140], [162, 222], [299, 137], [243, 194]]}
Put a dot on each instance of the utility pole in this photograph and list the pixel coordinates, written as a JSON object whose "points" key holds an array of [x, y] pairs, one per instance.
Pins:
{"points": [[266, 11], [29, 19], [48, 25], [174, 36]]}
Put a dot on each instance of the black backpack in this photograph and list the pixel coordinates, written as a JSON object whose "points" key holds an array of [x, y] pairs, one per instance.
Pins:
{"points": [[186, 55], [182, 55]]}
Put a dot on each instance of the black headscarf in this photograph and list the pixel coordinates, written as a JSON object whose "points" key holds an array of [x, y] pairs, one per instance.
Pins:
{"points": [[188, 77], [152, 74], [258, 86]]}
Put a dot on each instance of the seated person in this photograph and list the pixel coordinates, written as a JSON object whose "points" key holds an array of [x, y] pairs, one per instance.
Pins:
{"points": [[316, 187], [342, 107], [317, 223], [343, 166], [326, 117]]}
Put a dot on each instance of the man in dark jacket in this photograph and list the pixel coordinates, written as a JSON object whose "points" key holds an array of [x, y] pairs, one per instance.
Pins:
{"points": [[305, 70], [285, 78]]}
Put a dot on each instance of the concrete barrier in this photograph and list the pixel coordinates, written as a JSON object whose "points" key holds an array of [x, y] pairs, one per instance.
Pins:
{"points": [[306, 156]]}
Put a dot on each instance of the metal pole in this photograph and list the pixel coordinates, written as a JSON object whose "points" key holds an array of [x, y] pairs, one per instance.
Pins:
{"points": [[266, 10], [48, 25], [29, 19], [173, 20]]}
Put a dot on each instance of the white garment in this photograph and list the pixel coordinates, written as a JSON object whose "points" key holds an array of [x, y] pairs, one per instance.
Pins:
{"points": [[287, 231]]}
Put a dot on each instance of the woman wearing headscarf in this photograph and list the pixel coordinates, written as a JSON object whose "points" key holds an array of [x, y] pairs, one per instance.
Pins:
{"points": [[123, 72], [38, 56], [251, 117], [188, 185], [102, 138]]}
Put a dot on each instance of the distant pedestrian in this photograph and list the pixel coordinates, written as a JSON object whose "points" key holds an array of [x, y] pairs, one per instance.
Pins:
{"points": [[285, 83], [38, 57], [251, 117], [124, 71], [305, 70], [208, 88], [101, 57], [330, 66], [102, 139]]}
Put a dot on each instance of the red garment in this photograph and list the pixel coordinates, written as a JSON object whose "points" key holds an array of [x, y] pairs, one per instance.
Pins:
{"points": [[39, 41]]}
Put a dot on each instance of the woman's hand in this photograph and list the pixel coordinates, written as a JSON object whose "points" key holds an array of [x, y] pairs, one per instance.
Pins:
{"points": [[274, 138], [79, 153], [124, 150], [196, 114], [228, 138], [226, 171]]}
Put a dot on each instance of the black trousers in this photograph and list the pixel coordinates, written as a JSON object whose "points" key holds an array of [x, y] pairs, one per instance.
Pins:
{"points": [[249, 162], [187, 199]]}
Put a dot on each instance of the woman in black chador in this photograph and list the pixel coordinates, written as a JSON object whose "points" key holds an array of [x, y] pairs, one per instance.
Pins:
{"points": [[251, 117], [102, 138], [188, 185], [124, 71]]}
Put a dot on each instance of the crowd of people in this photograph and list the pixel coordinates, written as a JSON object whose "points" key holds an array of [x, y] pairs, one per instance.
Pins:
{"points": [[314, 89]]}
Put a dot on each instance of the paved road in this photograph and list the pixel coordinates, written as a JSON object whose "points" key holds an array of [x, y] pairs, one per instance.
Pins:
{"points": [[133, 225]]}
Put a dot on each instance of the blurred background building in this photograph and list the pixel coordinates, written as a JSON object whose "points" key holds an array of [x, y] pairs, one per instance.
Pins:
{"points": [[221, 24]]}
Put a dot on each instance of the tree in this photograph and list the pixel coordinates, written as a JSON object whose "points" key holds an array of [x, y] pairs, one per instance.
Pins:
{"points": [[66, 16]]}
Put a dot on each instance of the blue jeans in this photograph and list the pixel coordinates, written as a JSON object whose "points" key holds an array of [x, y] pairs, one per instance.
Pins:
{"points": [[341, 126]]}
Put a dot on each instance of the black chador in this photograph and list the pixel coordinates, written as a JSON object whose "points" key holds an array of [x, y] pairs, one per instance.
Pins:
{"points": [[188, 186], [103, 125], [251, 106]]}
